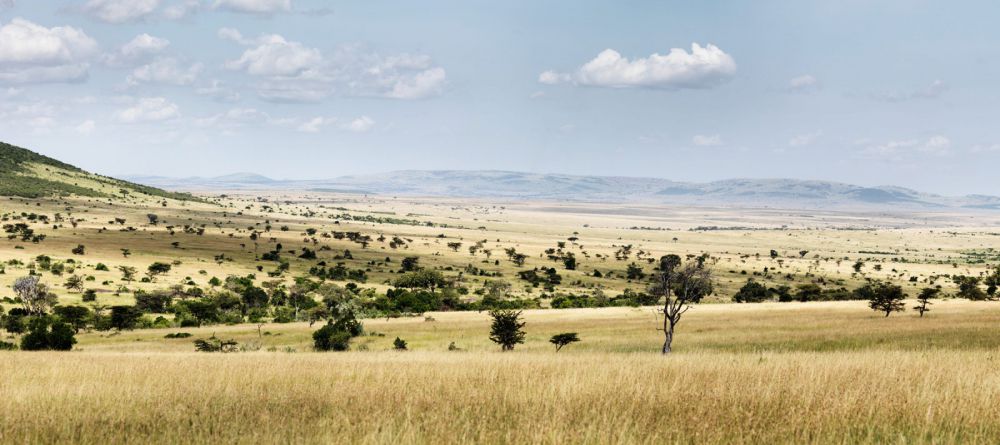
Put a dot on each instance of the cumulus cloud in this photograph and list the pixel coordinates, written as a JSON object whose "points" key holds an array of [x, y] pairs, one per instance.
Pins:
{"points": [[703, 67], [422, 84], [361, 124], [274, 56], [290, 71], [701, 140], [139, 49], [932, 91], [120, 11], [805, 83], [254, 6], [148, 109], [165, 70], [316, 124], [181, 10], [31, 53]]}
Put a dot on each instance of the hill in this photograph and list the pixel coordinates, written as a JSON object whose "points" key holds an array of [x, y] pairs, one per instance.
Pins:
{"points": [[787, 193], [28, 174]]}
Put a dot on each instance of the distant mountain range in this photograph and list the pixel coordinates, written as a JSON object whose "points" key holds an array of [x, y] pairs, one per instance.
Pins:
{"points": [[790, 193]]}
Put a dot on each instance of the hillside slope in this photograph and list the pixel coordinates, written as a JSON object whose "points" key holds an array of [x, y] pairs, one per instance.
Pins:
{"points": [[27, 174]]}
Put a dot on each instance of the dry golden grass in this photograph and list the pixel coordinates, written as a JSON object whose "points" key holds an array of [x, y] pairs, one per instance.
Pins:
{"points": [[768, 373], [440, 397]]}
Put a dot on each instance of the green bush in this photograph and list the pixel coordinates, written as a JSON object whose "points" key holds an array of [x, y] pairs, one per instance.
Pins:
{"points": [[331, 338], [40, 337]]}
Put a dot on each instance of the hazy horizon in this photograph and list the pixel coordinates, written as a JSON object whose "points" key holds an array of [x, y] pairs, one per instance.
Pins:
{"points": [[886, 94]]}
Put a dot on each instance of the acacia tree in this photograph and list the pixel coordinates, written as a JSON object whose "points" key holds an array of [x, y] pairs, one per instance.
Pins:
{"points": [[74, 282], [564, 339], [680, 287], [923, 300], [128, 273], [886, 297]]}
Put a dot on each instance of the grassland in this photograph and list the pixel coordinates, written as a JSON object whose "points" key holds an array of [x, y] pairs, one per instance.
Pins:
{"points": [[825, 372], [793, 373]]}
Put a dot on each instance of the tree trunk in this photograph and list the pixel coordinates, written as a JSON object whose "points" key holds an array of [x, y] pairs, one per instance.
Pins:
{"points": [[668, 339]]}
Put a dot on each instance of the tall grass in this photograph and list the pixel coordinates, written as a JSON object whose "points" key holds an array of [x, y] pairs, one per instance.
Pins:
{"points": [[440, 397], [773, 373]]}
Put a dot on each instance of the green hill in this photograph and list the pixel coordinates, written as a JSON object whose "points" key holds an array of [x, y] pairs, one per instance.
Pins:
{"points": [[28, 174]]}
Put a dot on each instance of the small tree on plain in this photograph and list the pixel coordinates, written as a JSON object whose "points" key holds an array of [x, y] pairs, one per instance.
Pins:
{"points": [[74, 282], [923, 300], [564, 339], [507, 329], [886, 297], [680, 288]]}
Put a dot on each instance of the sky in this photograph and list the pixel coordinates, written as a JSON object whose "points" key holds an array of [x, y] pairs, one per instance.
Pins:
{"points": [[900, 93]]}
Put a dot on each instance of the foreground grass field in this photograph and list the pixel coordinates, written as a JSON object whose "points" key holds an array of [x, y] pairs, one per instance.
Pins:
{"points": [[770, 373]]}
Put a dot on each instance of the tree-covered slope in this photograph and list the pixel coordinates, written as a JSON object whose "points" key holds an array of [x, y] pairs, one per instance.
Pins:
{"points": [[28, 174]]}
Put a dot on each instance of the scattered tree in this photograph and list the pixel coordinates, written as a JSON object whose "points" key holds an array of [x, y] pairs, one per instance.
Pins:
{"points": [[507, 329], [563, 339]]}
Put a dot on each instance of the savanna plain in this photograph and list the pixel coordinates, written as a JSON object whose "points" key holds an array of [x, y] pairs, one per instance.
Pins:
{"points": [[808, 364]]}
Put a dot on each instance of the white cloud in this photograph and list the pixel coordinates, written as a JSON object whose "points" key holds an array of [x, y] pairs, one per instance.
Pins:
{"points": [[804, 139], [713, 140], [182, 9], [805, 83], [148, 109], [233, 119], [897, 149], [276, 57], [120, 11], [139, 49], [219, 91], [293, 72], [361, 124], [420, 85], [316, 124], [254, 6], [932, 91], [703, 67], [552, 77], [86, 127], [165, 70], [31, 53]]}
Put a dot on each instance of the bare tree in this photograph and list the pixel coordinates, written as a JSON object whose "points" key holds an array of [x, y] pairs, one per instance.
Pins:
{"points": [[680, 287], [35, 296]]}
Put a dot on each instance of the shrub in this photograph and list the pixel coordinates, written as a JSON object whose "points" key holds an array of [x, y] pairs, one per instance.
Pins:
{"points": [[40, 337], [751, 292], [331, 338], [399, 344]]}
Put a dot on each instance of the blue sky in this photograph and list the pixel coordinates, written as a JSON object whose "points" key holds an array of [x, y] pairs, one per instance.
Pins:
{"points": [[899, 92]]}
